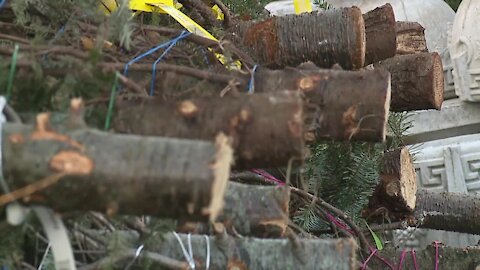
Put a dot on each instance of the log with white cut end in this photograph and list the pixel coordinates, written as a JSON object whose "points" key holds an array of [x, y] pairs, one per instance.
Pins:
{"points": [[340, 105], [417, 81], [251, 210], [88, 170], [267, 129]]}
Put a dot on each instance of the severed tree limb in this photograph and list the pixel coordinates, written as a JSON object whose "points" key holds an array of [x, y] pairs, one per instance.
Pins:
{"points": [[417, 81], [380, 34], [252, 210], [117, 173], [410, 38], [325, 38], [267, 129], [447, 258], [397, 189], [341, 105], [252, 253], [260, 211], [448, 211]]}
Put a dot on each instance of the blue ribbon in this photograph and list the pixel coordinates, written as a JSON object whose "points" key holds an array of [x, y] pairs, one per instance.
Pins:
{"points": [[154, 66], [251, 84]]}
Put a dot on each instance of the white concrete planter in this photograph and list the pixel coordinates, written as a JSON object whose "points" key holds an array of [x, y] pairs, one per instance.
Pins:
{"points": [[465, 51], [451, 165]]}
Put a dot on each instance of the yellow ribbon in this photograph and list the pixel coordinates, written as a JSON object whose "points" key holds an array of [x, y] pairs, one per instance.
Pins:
{"points": [[169, 7], [302, 6]]}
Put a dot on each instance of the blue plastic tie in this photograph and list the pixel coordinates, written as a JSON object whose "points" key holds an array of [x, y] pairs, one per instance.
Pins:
{"points": [[251, 84], [174, 41], [2, 3]]}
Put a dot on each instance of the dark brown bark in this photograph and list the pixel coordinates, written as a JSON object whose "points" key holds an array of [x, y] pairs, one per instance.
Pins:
{"points": [[251, 210], [267, 129], [456, 212], [325, 38], [380, 34], [341, 105], [111, 173], [410, 38], [417, 81], [397, 189], [448, 258]]}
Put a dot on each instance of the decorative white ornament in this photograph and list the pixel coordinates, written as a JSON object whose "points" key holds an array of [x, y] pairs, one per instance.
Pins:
{"points": [[465, 51]]}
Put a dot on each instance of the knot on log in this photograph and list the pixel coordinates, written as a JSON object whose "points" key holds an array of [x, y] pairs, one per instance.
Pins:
{"points": [[72, 162]]}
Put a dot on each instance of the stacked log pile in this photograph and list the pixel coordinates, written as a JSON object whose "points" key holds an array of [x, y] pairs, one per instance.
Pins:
{"points": [[172, 158]]}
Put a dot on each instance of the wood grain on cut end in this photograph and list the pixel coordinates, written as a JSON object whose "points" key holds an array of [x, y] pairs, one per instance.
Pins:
{"points": [[408, 179], [438, 81], [221, 168], [417, 81], [359, 47], [387, 106]]}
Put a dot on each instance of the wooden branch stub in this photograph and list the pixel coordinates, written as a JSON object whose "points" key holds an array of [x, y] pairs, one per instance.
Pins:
{"points": [[325, 38], [417, 81], [410, 38], [118, 174], [380, 33], [267, 129]]}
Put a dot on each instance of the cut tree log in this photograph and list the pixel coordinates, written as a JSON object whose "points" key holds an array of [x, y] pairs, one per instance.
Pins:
{"points": [[417, 81], [252, 253], [325, 38], [381, 36], [447, 258], [88, 170], [251, 210], [448, 211], [397, 189], [410, 38], [260, 211], [267, 129], [341, 105]]}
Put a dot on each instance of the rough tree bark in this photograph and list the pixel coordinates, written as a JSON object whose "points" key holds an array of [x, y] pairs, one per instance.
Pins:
{"points": [[448, 258], [252, 210], [260, 211], [252, 253], [398, 185], [267, 129], [417, 81], [380, 34], [325, 38], [448, 211], [410, 38], [341, 105], [84, 169]]}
